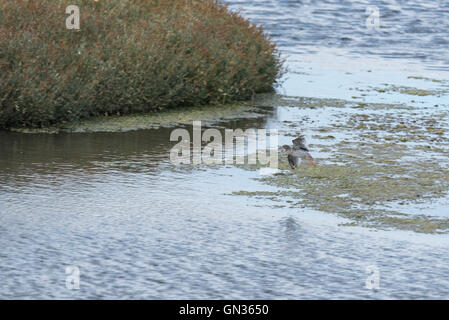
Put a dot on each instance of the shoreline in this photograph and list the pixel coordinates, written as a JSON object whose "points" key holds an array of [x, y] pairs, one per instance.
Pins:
{"points": [[154, 120]]}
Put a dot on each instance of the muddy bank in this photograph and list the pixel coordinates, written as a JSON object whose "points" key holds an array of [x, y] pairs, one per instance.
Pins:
{"points": [[154, 120]]}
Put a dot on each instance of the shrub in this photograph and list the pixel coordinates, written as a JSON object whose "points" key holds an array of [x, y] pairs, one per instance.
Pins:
{"points": [[129, 56]]}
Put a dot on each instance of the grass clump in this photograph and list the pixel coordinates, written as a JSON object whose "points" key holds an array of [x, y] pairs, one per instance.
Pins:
{"points": [[130, 56]]}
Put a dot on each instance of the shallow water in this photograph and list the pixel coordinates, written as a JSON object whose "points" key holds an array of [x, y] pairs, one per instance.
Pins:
{"points": [[138, 226]]}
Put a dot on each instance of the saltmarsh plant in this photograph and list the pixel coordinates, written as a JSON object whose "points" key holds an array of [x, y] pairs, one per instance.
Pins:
{"points": [[129, 56]]}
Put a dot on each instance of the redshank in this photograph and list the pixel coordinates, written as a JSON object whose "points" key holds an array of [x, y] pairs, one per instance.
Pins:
{"points": [[298, 152]]}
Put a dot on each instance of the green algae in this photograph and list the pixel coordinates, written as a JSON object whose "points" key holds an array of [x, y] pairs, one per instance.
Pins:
{"points": [[356, 187], [411, 91], [328, 137], [416, 92], [154, 120], [425, 79], [381, 165], [278, 100]]}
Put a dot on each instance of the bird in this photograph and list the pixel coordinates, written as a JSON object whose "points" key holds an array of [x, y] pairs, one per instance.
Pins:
{"points": [[298, 152]]}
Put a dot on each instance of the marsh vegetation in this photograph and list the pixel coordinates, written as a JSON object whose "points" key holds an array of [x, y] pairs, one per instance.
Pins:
{"points": [[132, 56]]}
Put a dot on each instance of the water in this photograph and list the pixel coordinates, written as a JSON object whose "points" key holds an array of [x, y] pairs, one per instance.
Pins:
{"points": [[407, 29], [137, 227]]}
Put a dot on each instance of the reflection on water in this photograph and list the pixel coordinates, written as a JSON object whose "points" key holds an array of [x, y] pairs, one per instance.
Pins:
{"points": [[139, 227]]}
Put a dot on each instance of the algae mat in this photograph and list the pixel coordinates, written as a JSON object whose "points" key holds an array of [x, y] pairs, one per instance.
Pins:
{"points": [[379, 165], [168, 118]]}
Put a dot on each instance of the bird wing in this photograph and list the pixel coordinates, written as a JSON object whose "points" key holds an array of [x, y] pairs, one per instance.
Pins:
{"points": [[299, 143], [304, 155]]}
